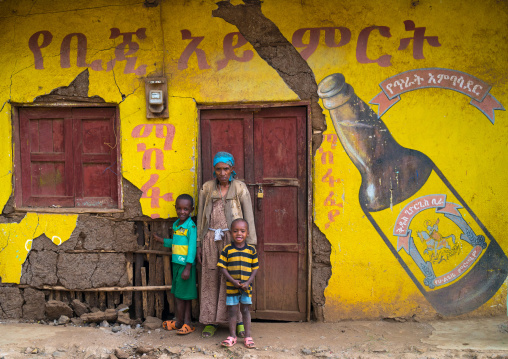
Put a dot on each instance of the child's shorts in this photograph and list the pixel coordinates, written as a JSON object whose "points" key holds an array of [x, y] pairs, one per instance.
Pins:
{"points": [[243, 298], [184, 289]]}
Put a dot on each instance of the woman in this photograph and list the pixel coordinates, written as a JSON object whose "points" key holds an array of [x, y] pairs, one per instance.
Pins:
{"points": [[220, 202]]}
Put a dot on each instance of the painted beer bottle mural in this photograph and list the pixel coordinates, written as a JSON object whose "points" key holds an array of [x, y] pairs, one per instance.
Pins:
{"points": [[448, 253]]}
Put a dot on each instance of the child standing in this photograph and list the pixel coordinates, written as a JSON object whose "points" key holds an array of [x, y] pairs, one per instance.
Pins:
{"points": [[183, 246], [239, 264]]}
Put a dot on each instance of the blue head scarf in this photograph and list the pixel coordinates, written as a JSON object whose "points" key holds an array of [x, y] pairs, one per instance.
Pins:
{"points": [[227, 158]]}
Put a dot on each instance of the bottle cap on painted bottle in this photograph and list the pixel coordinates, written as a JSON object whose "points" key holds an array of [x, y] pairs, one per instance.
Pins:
{"points": [[334, 91]]}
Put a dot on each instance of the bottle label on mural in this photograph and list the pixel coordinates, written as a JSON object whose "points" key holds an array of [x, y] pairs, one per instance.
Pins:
{"points": [[435, 236]]}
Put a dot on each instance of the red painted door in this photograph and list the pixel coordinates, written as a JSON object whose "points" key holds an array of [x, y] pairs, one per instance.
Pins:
{"points": [[269, 146]]}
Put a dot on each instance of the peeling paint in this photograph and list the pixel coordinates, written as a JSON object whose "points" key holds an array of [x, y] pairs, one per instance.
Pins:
{"points": [[16, 240]]}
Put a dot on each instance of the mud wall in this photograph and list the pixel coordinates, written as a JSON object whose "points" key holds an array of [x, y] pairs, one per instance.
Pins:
{"points": [[266, 53]]}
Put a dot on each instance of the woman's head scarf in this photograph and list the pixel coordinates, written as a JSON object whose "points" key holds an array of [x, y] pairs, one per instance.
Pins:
{"points": [[227, 158]]}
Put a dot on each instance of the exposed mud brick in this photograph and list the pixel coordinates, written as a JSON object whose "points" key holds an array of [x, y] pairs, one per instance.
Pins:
{"points": [[110, 271], [85, 270], [131, 204], [321, 270], [79, 307], [9, 206], [75, 270], [321, 247], [34, 304], [152, 323], [11, 303], [77, 89], [320, 276], [40, 268], [56, 308], [43, 243], [94, 233]]}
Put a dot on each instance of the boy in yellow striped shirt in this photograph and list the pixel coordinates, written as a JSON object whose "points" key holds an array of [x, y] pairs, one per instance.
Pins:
{"points": [[183, 246], [239, 264]]}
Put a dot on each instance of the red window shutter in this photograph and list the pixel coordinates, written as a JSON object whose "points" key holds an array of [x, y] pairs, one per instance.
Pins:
{"points": [[68, 157], [46, 157], [95, 158]]}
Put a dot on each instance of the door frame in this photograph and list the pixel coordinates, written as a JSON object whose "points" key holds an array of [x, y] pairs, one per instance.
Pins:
{"points": [[306, 104]]}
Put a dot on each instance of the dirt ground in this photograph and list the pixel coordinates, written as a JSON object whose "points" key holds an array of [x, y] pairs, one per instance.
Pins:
{"points": [[473, 338]]}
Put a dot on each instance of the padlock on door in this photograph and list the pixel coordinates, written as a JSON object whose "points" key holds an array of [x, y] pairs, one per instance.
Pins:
{"points": [[260, 197]]}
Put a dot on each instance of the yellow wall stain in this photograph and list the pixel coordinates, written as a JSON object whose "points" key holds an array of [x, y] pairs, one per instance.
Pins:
{"points": [[16, 239]]}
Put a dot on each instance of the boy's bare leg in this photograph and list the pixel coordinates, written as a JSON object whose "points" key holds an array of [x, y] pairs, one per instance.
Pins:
{"points": [[187, 316], [245, 309], [180, 309], [232, 311]]}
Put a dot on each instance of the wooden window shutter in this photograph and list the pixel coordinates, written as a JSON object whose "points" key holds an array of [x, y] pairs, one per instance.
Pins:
{"points": [[68, 157]]}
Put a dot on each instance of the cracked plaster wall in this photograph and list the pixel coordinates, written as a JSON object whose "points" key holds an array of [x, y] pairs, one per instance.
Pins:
{"points": [[366, 281]]}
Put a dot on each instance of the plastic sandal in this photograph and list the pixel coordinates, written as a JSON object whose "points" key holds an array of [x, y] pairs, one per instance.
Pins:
{"points": [[209, 331], [249, 343], [169, 325], [240, 330], [229, 342], [185, 329]]}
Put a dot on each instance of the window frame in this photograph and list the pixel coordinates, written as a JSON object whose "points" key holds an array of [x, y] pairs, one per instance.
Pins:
{"points": [[19, 206]]}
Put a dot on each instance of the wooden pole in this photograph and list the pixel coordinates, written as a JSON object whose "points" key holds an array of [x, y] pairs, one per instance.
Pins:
{"points": [[159, 280], [145, 294], [146, 288], [168, 280]]}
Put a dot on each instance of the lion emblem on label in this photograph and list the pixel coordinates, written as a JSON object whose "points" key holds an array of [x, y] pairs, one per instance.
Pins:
{"points": [[442, 235]]}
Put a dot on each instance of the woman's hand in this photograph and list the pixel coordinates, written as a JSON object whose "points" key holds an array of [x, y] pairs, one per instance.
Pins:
{"points": [[199, 255]]}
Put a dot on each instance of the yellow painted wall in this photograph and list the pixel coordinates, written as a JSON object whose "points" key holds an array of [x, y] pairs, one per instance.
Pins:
{"points": [[16, 239], [367, 281]]}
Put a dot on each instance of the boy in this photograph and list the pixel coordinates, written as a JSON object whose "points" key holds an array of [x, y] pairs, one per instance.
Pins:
{"points": [[239, 264], [183, 246]]}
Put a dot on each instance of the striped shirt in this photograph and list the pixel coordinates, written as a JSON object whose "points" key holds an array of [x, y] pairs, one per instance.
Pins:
{"points": [[183, 243], [239, 262]]}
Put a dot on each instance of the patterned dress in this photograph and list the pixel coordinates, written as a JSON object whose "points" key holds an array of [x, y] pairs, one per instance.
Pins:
{"points": [[213, 284]]}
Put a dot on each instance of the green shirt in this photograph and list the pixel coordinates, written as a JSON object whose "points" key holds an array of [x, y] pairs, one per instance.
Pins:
{"points": [[183, 243]]}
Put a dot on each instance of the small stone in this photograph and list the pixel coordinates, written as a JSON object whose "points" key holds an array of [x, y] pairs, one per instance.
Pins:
{"points": [[77, 322], [28, 350], [116, 329], [121, 354], [63, 320], [143, 349], [306, 351], [104, 324], [123, 308], [55, 308], [79, 307], [152, 323], [123, 318]]}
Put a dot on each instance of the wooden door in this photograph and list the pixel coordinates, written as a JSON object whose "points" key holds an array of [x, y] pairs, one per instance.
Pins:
{"points": [[270, 150]]}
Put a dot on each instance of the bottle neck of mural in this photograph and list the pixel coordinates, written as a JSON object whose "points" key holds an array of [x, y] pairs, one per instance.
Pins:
{"points": [[390, 173]]}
